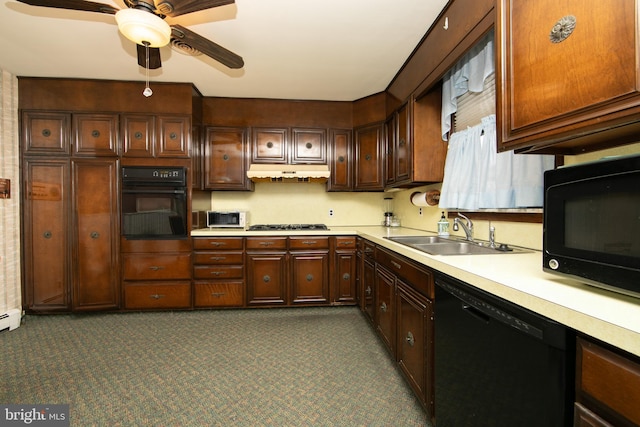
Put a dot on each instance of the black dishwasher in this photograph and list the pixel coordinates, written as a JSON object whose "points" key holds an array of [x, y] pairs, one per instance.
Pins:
{"points": [[498, 364]]}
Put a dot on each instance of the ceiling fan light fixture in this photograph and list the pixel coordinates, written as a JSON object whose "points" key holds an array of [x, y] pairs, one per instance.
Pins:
{"points": [[140, 27]]}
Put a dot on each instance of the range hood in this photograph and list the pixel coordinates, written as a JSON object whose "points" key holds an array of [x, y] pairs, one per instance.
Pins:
{"points": [[288, 173]]}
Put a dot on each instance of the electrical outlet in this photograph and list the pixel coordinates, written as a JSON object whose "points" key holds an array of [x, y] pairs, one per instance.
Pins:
{"points": [[330, 212], [420, 211]]}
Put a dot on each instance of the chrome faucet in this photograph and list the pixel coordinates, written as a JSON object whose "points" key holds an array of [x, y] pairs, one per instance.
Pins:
{"points": [[468, 228]]}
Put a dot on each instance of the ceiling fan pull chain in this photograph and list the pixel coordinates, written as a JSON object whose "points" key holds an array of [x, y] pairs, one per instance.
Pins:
{"points": [[147, 90]]}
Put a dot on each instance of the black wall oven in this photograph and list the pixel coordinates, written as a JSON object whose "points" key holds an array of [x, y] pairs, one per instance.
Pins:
{"points": [[154, 202]]}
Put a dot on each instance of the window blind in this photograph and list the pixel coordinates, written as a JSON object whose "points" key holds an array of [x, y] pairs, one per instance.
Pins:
{"points": [[473, 106]]}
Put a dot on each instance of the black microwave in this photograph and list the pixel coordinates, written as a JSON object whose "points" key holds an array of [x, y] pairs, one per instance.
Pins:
{"points": [[592, 223]]}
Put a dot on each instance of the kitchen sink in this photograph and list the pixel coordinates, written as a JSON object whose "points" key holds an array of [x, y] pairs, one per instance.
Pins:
{"points": [[436, 245]]}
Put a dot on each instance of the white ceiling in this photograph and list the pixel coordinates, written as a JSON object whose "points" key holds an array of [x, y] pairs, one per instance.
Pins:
{"points": [[338, 50]]}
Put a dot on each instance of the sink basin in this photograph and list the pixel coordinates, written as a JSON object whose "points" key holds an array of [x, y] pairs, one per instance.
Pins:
{"points": [[436, 245], [420, 240]]}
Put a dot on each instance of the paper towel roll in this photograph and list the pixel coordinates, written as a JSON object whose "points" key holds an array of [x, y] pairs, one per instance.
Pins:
{"points": [[427, 198]]}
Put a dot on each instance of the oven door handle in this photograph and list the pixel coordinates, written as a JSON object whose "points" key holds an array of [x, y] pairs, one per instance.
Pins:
{"points": [[141, 191]]}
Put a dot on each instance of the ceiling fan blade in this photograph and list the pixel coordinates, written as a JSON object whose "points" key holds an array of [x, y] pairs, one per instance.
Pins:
{"points": [[207, 47], [181, 7], [154, 57], [87, 6]]}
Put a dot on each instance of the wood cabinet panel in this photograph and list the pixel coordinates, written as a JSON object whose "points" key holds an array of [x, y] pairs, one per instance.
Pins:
{"points": [[266, 278], [96, 282], [174, 136], [156, 266], [218, 243], [308, 243], [46, 133], [309, 277], [309, 146], [218, 272], [217, 258], [46, 259], [369, 159], [138, 135], [415, 341], [157, 295], [385, 314], [608, 383], [218, 294], [269, 145], [267, 243], [95, 134], [226, 155], [567, 95], [421, 279], [340, 160]]}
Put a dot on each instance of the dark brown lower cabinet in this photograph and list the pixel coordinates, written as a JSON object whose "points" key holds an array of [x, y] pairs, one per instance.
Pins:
{"points": [[266, 264], [156, 274], [607, 386], [385, 315], [415, 341]]}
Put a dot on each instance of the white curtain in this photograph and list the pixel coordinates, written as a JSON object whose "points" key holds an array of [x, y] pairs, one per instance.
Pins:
{"points": [[467, 75], [476, 176]]}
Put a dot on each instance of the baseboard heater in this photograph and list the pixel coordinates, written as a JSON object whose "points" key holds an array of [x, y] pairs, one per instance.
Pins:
{"points": [[10, 320]]}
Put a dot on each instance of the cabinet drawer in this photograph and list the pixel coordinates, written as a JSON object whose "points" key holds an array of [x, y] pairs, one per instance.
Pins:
{"points": [[218, 272], [227, 294], [345, 242], [368, 249], [215, 243], [157, 295], [608, 379], [216, 258], [163, 266], [308, 242], [420, 279], [267, 243]]}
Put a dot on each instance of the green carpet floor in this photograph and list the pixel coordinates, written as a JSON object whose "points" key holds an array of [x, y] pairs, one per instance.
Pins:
{"points": [[255, 367]]}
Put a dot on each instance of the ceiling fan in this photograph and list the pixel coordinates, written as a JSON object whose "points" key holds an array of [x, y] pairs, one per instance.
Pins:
{"points": [[143, 23]]}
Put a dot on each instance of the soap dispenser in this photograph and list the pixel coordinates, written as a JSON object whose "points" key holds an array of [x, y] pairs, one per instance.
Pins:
{"points": [[443, 226]]}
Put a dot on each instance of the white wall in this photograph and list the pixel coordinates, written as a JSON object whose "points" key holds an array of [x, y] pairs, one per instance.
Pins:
{"points": [[10, 293]]}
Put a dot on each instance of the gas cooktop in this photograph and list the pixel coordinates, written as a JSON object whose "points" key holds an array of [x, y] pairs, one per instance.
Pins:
{"points": [[271, 227]]}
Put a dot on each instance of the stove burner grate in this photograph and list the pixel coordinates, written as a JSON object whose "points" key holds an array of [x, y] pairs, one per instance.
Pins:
{"points": [[271, 227]]}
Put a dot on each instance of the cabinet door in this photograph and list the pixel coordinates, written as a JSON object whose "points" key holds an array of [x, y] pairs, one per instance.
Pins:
{"points": [[174, 136], [403, 146], [390, 136], [344, 289], [309, 277], [340, 160], [138, 135], [415, 343], [309, 146], [226, 154], [266, 278], [46, 133], [385, 319], [269, 145], [96, 134], [368, 159], [561, 83], [95, 216], [46, 253]]}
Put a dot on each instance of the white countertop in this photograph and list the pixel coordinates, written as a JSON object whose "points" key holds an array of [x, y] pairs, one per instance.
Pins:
{"points": [[517, 277]]}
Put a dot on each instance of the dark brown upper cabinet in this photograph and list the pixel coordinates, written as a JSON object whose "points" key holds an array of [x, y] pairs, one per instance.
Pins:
{"points": [[226, 154], [568, 75]]}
